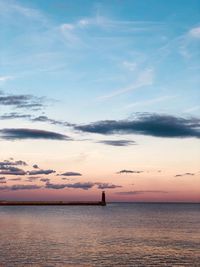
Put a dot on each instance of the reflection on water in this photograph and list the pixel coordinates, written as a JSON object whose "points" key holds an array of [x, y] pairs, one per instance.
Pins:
{"points": [[115, 235]]}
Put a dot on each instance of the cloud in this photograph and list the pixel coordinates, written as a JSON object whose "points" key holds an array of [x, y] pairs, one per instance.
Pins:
{"points": [[10, 170], [107, 186], [150, 101], [3, 180], [37, 172], [108, 24], [117, 142], [21, 101], [20, 162], [35, 166], [5, 78], [8, 167], [45, 180], [51, 121], [15, 179], [147, 124], [141, 192], [55, 186], [145, 78], [195, 32], [185, 174], [84, 186], [14, 115], [131, 66], [31, 179], [71, 174], [128, 171], [12, 163], [19, 187], [67, 31], [15, 9], [24, 133]]}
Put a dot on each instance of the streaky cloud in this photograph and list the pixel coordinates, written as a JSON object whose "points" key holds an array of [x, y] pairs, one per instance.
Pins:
{"points": [[128, 171], [79, 185], [45, 180], [117, 142], [71, 174], [37, 172], [20, 187], [15, 179], [14, 115], [185, 174], [10, 170], [24, 133], [107, 186], [21, 101], [32, 178]]}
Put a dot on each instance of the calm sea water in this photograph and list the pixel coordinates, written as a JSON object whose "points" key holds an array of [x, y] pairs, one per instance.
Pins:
{"points": [[115, 235]]}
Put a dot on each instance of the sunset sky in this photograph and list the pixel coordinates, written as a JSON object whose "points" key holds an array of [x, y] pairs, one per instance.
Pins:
{"points": [[100, 95]]}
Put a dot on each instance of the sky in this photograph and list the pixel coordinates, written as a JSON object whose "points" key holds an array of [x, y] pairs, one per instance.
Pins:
{"points": [[100, 95]]}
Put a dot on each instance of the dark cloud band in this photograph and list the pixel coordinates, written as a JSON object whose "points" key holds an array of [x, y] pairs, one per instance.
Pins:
{"points": [[147, 124]]}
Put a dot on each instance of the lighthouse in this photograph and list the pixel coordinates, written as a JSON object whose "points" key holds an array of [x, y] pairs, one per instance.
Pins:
{"points": [[103, 199]]}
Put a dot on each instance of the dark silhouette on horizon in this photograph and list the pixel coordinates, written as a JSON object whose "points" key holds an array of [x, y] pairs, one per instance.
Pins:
{"points": [[54, 203]]}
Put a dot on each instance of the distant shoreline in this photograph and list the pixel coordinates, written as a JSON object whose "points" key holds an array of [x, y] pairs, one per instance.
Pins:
{"points": [[51, 203]]}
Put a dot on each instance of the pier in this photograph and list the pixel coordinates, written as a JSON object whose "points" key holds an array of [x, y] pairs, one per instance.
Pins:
{"points": [[55, 203]]}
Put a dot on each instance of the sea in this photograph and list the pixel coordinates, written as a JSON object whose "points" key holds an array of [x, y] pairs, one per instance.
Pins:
{"points": [[119, 234]]}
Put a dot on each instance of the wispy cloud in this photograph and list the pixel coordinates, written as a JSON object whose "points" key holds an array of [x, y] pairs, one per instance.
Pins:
{"points": [[195, 32], [19, 187], [192, 109], [5, 78], [131, 66], [150, 101], [14, 115], [107, 186], [10, 8], [32, 118], [145, 78], [185, 174]]}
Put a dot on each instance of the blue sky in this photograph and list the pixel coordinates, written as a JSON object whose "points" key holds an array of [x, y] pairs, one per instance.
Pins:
{"points": [[92, 57], [88, 61]]}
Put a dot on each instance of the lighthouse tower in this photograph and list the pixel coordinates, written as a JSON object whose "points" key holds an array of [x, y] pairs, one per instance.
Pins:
{"points": [[103, 199]]}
